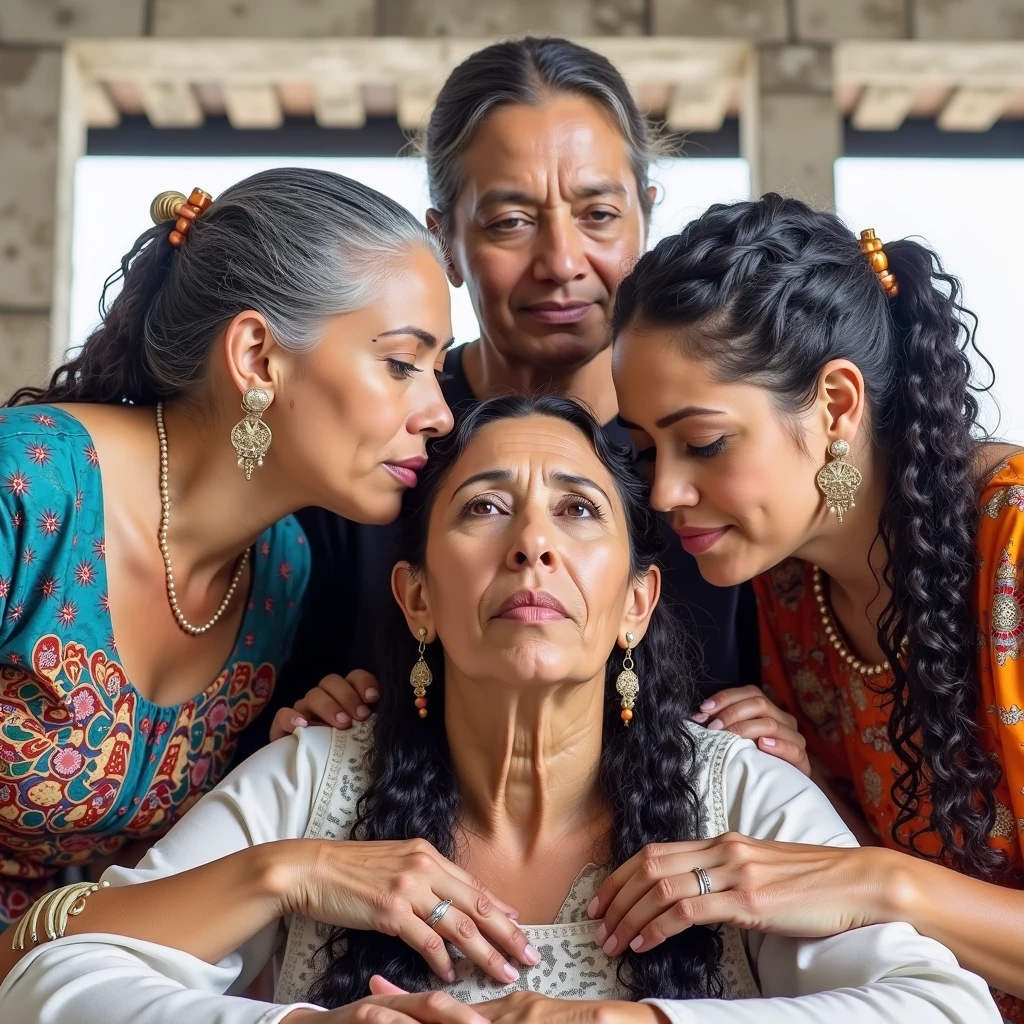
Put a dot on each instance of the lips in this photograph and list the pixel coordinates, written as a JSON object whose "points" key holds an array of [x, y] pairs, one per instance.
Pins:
{"points": [[698, 539], [559, 312], [406, 471], [531, 606]]}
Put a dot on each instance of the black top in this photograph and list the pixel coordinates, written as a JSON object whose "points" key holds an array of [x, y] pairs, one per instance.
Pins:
{"points": [[349, 595]]}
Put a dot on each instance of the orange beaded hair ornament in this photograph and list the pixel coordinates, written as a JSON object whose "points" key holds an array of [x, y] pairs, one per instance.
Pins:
{"points": [[184, 212], [873, 249]]}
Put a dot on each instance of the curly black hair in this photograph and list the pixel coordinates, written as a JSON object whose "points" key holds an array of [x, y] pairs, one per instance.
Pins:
{"points": [[646, 771], [771, 290]]}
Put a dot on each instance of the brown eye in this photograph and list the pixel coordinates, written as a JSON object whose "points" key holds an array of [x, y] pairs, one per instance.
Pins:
{"points": [[577, 510], [484, 508]]}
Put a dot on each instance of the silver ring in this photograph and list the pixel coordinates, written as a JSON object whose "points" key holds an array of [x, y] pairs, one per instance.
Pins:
{"points": [[703, 881], [438, 912]]}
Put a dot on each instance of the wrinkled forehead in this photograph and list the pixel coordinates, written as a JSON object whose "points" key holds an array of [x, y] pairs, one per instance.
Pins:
{"points": [[536, 452]]}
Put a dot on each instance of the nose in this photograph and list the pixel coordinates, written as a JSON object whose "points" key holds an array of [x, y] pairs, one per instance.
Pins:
{"points": [[561, 250], [672, 488], [433, 418], [532, 546]]}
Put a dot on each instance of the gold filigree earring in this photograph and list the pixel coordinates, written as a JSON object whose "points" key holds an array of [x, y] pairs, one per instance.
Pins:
{"points": [[839, 481], [421, 677], [251, 437], [628, 684]]}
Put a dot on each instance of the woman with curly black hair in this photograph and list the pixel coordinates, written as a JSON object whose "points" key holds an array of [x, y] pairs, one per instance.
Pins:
{"points": [[804, 403], [548, 742]]}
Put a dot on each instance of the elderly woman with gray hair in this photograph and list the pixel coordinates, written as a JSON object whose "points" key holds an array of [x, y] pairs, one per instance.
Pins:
{"points": [[150, 570]]}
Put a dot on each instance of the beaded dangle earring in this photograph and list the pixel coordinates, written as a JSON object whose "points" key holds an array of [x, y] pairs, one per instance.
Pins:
{"points": [[628, 684], [421, 677]]}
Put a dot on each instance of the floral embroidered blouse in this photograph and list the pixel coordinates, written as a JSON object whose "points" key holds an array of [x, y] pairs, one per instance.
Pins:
{"points": [[86, 762], [841, 715]]}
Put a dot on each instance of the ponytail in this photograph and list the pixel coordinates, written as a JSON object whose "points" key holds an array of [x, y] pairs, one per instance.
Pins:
{"points": [[928, 525], [110, 367], [294, 244], [772, 291]]}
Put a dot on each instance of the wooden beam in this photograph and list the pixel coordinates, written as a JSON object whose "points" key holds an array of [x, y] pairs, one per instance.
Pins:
{"points": [[339, 105], [883, 107], [253, 106], [171, 105], [974, 109], [98, 107], [699, 106], [415, 101]]}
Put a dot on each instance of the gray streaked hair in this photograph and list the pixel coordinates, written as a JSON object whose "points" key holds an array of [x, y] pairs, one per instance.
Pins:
{"points": [[295, 244], [527, 71]]}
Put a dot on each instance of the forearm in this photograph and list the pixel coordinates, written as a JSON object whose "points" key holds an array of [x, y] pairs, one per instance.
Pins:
{"points": [[981, 923], [208, 911]]}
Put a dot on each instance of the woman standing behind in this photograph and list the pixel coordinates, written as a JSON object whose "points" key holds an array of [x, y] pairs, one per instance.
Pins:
{"points": [[804, 404], [150, 572]]}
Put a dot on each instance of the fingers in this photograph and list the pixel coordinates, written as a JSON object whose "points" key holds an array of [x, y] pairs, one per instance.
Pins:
{"points": [[673, 888], [364, 683], [413, 931], [716, 908], [285, 722], [464, 933], [382, 987], [496, 926], [341, 700], [421, 1007], [614, 883], [467, 879], [741, 707]]}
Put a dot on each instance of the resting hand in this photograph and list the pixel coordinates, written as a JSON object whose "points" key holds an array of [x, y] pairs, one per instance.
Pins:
{"points": [[531, 1008], [393, 1007], [781, 888], [336, 701], [392, 887], [747, 712]]}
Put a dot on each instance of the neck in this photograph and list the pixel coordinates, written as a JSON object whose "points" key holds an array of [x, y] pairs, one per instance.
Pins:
{"points": [[216, 514], [527, 761], [491, 373]]}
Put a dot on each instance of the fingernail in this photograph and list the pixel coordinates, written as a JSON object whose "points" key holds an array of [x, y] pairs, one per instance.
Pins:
{"points": [[611, 945], [371, 694], [701, 717], [636, 944], [708, 705], [510, 972], [602, 934], [299, 722], [362, 711], [715, 724], [768, 741], [342, 719], [532, 956], [450, 977], [592, 908]]}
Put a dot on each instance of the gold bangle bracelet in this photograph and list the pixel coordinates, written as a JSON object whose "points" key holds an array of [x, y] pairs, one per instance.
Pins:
{"points": [[55, 908]]}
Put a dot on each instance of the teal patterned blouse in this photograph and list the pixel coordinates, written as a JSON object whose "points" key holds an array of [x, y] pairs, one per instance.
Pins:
{"points": [[86, 762]]}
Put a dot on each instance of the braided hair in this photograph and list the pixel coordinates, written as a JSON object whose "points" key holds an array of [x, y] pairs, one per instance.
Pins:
{"points": [[772, 290]]}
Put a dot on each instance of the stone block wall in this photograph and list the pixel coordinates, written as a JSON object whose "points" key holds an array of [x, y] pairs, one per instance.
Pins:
{"points": [[791, 141]]}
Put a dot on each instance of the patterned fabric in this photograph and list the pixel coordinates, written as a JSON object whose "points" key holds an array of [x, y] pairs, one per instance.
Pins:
{"points": [[841, 715], [573, 965], [86, 762]]}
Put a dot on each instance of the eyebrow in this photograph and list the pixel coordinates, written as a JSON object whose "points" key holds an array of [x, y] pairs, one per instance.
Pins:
{"points": [[673, 417], [426, 337], [504, 476], [604, 187]]}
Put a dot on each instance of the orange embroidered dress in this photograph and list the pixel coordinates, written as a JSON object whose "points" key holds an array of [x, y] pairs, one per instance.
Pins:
{"points": [[840, 714]]}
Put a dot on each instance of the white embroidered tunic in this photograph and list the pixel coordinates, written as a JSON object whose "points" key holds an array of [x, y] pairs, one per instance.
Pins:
{"points": [[308, 785]]}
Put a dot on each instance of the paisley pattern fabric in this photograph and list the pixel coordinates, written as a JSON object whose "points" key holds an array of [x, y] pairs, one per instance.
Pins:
{"points": [[86, 762], [842, 716], [573, 965]]}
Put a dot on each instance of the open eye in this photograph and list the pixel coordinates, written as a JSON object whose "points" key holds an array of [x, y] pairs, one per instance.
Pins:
{"points": [[578, 507], [483, 507]]}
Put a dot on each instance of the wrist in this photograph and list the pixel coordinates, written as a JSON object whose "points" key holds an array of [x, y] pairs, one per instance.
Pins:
{"points": [[615, 1012], [893, 885], [276, 871]]}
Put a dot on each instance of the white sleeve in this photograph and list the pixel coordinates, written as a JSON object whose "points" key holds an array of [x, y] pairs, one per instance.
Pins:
{"points": [[95, 978], [872, 975]]}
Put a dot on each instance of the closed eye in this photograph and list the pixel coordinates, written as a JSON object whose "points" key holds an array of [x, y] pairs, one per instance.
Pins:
{"points": [[707, 450], [402, 369]]}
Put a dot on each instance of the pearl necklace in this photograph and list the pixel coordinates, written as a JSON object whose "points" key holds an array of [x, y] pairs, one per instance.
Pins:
{"points": [[165, 522], [832, 632]]}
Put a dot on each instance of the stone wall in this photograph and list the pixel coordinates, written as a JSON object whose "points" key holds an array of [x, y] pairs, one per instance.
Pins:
{"points": [[791, 139]]}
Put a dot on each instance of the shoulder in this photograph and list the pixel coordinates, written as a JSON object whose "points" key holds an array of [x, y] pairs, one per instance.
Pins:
{"points": [[1002, 496], [40, 441], [282, 558], [763, 796]]}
